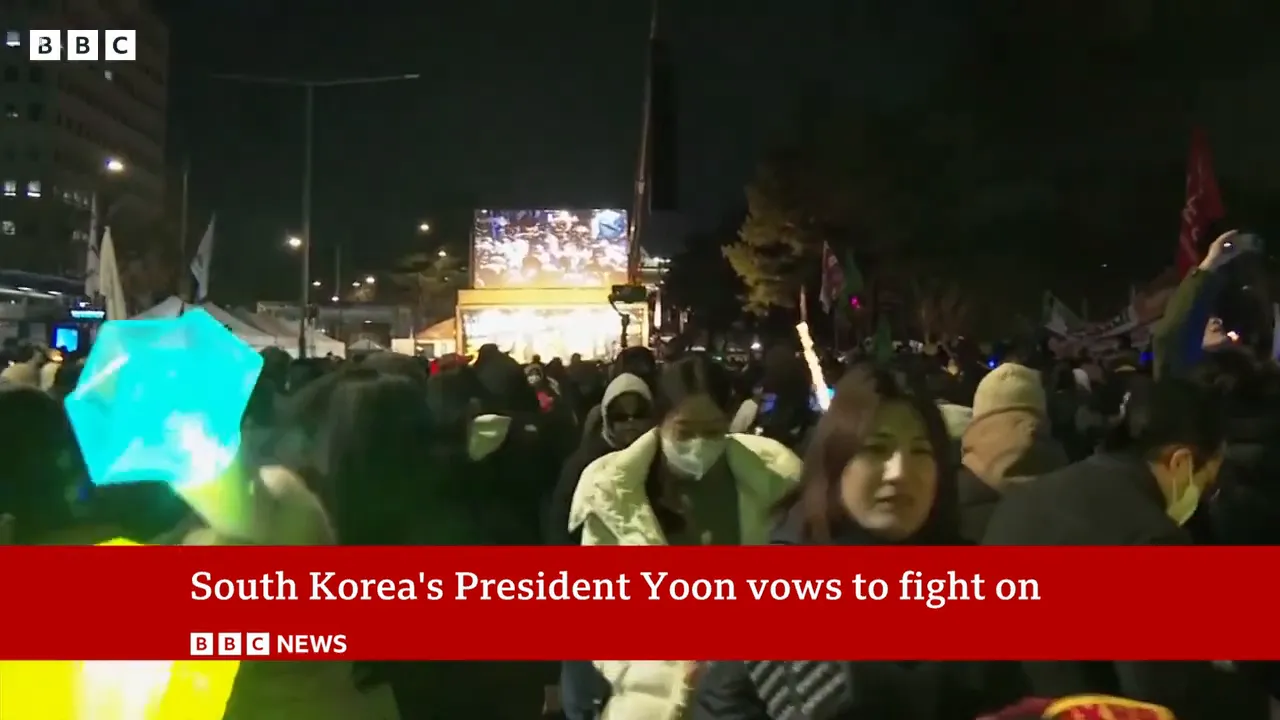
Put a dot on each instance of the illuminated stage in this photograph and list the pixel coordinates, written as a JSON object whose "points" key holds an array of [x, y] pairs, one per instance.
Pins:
{"points": [[541, 281]]}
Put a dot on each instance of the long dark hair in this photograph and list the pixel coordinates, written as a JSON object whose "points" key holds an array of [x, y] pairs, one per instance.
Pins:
{"points": [[841, 434], [358, 438]]}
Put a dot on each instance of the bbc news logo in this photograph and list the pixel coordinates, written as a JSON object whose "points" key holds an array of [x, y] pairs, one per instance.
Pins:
{"points": [[115, 45], [265, 644]]}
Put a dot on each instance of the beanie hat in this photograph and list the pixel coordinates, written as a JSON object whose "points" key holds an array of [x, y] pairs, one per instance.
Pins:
{"points": [[1009, 387]]}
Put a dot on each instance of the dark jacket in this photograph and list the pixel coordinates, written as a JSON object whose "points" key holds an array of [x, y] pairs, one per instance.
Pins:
{"points": [[998, 451], [978, 501], [858, 690], [1114, 500], [1177, 337], [557, 530]]}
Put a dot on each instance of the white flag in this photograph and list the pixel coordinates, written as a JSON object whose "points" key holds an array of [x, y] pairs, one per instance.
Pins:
{"points": [[109, 280], [92, 281], [200, 263]]}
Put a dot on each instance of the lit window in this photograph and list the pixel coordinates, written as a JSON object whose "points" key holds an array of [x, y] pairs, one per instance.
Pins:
{"points": [[12, 38], [33, 188], [7, 227], [108, 75], [10, 188], [11, 112]]}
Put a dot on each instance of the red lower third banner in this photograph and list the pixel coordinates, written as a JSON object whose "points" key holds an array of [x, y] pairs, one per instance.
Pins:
{"points": [[712, 603]]}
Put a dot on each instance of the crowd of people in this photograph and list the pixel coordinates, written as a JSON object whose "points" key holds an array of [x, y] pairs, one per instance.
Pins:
{"points": [[925, 448]]}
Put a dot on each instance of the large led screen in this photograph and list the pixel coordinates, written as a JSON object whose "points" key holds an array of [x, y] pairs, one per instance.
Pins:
{"points": [[549, 248], [592, 332]]}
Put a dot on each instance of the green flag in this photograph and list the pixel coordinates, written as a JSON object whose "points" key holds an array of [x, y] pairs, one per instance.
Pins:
{"points": [[853, 283], [882, 343]]}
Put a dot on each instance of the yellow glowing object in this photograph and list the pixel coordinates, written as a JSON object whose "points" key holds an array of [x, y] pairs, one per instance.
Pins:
{"points": [[590, 331], [815, 368], [116, 689]]}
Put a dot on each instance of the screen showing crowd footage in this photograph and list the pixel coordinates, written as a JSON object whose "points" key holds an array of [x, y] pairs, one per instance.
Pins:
{"points": [[551, 332], [549, 248]]}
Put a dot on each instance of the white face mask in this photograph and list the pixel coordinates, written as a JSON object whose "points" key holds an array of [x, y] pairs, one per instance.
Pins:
{"points": [[1184, 506], [693, 457]]}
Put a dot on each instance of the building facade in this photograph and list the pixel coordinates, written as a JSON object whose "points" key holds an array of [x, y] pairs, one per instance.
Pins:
{"points": [[73, 132]]}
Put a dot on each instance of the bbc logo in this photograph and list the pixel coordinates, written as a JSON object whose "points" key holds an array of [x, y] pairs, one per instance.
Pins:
{"points": [[230, 644], [116, 45]]}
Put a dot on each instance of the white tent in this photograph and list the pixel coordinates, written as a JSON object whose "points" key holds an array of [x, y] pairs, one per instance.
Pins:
{"points": [[174, 306], [365, 345], [318, 344]]}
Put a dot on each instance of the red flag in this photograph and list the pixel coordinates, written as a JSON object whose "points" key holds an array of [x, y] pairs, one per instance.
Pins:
{"points": [[832, 278], [1204, 203]]}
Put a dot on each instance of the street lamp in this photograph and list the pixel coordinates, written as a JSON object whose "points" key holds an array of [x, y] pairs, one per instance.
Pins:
{"points": [[424, 227], [334, 298], [443, 253], [294, 242], [315, 283], [355, 284], [308, 121], [369, 280], [98, 217]]}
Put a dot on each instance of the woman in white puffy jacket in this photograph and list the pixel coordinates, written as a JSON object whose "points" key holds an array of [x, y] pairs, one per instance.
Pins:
{"points": [[687, 482]]}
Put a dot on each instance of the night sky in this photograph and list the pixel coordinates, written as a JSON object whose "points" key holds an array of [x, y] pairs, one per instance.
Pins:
{"points": [[520, 104], [526, 104]]}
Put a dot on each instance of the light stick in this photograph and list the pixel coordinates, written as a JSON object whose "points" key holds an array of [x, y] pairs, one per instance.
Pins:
{"points": [[815, 368]]}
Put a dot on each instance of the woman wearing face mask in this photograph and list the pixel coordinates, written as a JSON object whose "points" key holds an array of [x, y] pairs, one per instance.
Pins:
{"points": [[627, 414], [876, 473], [1167, 453], [686, 482]]}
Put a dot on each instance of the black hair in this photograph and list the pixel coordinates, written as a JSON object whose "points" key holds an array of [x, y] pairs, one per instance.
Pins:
{"points": [[25, 352], [357, 436], [454, 397], [305, 371], [694, 374], [35, 473], [66, 378], [1168, 412], [638, 361]]}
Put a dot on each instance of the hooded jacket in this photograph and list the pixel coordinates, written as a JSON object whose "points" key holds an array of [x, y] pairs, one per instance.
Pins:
{"points": [[592, 447], [611, 507]]}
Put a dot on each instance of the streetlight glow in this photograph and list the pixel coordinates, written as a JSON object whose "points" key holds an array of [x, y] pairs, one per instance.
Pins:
{"points": [[443, 253], [355, 284], [333, 299], [315, 283], [424, 227], [294, 242], [369, 280], [115, 165]]}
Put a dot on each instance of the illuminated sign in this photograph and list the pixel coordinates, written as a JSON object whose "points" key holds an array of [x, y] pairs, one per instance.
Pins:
{"points": [[549, 248], [592, 332]]}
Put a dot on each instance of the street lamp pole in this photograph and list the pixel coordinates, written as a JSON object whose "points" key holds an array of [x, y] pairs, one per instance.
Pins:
{"points": [[308, 125], [309, 87], [184, 283]]}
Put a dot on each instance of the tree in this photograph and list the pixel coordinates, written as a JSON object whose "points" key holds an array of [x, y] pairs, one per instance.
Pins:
{"points": [[942, 308], [430, 283], [699, 279], [774, 238]]}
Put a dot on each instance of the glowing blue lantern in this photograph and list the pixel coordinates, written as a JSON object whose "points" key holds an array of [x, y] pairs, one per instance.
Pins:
{"points": [[162, 399]]}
